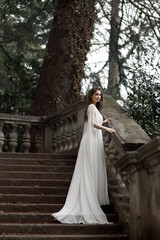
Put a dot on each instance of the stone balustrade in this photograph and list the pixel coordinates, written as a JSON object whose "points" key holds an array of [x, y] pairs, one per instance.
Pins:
{"points": [[64, 134], [65, 128], [125, 150], [143, 170], [15, 133], [129, 136]]}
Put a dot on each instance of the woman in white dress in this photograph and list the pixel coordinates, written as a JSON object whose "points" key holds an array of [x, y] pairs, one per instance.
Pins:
{"points": [[88, 189]]}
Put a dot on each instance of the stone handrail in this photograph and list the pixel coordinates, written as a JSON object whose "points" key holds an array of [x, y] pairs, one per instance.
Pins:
{"points": [[129, 136]]}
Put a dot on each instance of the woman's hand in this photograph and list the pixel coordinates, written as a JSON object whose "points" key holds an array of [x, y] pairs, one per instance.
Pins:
{"points": [[110, 130], [107, 120]]}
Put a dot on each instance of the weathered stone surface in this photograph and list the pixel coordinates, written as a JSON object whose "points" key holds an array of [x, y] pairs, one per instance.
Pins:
{"points": [[143, 169], [26, 203], [127, 128]]}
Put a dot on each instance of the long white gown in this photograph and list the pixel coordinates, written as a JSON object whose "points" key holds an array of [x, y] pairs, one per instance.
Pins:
{"points": [[88, 189]]}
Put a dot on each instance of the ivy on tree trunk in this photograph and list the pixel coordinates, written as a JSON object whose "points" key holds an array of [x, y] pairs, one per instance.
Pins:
{"points": [[66, 51]]}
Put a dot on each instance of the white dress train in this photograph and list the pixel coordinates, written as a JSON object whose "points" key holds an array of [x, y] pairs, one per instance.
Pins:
{"points": [[88, 189]]}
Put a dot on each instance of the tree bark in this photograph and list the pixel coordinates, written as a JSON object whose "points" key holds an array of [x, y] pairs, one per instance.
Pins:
{"points": [[113, 78], [66, 51]]}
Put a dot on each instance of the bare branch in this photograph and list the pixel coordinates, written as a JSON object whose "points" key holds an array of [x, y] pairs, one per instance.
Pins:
{"points": [[148, 16], [155, 9], [104, 66], [104, 13]]}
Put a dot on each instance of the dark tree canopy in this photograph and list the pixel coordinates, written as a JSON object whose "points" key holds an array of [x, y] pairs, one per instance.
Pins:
{"points": [[24, 28]]}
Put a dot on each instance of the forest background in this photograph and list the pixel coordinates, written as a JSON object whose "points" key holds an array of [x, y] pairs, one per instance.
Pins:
{"points": [[113, 44]]}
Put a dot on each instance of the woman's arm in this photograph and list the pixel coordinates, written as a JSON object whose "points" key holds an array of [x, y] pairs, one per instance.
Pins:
{"points": [[111, 130], [107, 120]]}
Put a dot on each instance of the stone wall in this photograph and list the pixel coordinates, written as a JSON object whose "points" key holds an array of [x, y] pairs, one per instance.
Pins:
{"points": [[143, 169]]}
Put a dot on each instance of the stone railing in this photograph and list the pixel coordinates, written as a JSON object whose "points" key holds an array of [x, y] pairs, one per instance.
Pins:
{"points": [[65, 128], [129, 136], [66, 133], [142, 168], [15, 133], [125, 150], [58, 133]]}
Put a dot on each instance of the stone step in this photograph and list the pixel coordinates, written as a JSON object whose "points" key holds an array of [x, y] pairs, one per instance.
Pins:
{"points": [[53, 162], [35, 182], [38, 218], [36, 175], [64, 237], [38, 208], [35, 156], [33, 190], [29, 208], [58, 228], [23, 198], [36, 168], [32, 187]]}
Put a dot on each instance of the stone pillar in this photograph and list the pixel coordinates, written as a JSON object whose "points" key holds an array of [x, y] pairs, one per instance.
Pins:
{"points": [[143, 170], [150, 185]]}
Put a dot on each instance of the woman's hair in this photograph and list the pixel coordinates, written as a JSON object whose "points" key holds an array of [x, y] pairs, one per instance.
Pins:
{"points": [[99, 104]]}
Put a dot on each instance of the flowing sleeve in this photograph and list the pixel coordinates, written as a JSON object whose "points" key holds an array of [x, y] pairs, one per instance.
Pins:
{"points": [[89, 124], [91, 115]]}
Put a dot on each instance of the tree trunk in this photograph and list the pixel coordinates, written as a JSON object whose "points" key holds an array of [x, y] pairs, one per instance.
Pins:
{"points": [[113, 78], [66, 51]]}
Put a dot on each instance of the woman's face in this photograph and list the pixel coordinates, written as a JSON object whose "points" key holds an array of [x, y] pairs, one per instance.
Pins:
{"points": [[96, 97]]}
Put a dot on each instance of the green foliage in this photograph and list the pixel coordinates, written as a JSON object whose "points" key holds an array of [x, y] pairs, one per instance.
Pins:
{"points": [[143, 102], [24, 28]]}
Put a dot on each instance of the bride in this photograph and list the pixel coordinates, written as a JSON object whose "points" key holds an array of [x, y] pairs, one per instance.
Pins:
{"points": [[88, 189]]}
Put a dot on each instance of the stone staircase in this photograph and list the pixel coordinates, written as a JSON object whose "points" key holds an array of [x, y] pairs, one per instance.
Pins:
{"points": [[32, 186]]}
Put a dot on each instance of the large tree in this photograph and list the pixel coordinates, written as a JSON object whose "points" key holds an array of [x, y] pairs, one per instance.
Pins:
{"points": [[24, 28], [68, 44]]}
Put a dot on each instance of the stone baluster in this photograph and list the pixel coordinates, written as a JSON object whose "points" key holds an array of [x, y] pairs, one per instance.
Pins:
{"points": [[68, 135], [59, 130], [38, 141], [111, 158], [74, 132], [111, 150], [114, 160], [26, 142], [54, 137], [111, 172], [110, 168], [107, 139], [125, 178], [1, 136], [13, 138], [63, 137], [121, 185], [124, 175]]}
